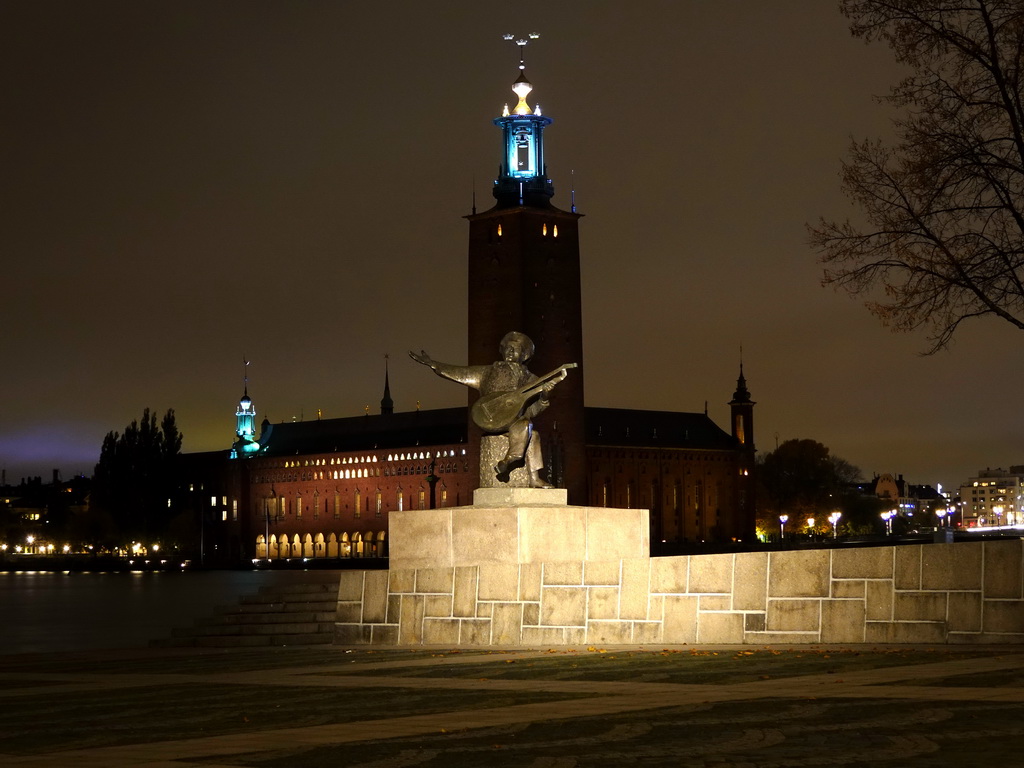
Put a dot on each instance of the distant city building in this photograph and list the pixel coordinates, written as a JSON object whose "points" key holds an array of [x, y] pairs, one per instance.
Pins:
{"points": [[908, 500], [993, 497]]}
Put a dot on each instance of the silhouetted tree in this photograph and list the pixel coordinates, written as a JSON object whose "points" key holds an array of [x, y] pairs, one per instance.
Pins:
{"points": [[802, 479], [944, 205], [134, 478]]}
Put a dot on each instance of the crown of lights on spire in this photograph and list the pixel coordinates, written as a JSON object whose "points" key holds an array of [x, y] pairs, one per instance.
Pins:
{"points": [[522, 86]]}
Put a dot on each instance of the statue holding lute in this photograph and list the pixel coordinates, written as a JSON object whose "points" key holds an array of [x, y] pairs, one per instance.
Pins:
{"points": [[510, 397]]}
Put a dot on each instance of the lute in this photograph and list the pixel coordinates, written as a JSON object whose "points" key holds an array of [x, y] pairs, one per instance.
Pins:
{"points": [[496, 411]]}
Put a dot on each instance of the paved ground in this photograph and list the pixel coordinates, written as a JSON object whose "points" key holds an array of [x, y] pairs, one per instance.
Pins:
{"points": [[330, 706]]}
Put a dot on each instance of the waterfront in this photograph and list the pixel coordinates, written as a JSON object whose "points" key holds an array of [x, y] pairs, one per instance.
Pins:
{"points": [[67, 611]]}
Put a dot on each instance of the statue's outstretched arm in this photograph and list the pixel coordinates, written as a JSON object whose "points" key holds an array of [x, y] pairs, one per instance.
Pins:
{"points": [[470, 375]]}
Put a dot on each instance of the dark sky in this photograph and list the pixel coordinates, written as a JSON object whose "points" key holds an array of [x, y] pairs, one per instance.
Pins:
{"points": [[185, 183]]}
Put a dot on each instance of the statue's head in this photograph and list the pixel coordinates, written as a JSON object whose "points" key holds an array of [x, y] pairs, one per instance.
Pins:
{"points": [[516, 347]]}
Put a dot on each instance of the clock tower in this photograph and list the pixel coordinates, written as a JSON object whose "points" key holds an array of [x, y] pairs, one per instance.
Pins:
{"points": [[524, 275]]}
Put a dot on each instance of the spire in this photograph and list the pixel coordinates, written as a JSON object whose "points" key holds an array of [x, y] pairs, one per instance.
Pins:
{"points": [[742, 408], [245, 416], [387, 405], [741, 395], [522, 173]]}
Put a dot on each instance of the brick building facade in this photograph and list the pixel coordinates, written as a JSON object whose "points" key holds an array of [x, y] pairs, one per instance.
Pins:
{"points": [[324, 488]]}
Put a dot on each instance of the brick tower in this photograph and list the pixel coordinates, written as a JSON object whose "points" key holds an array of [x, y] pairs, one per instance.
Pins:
{"points": [[524, 275]]}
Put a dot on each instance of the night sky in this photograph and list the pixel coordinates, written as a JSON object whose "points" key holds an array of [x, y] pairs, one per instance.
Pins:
{"points": [[187, 183]]}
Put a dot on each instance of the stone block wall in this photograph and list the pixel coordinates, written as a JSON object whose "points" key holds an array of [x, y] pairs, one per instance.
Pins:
{"points": [[966, 592]]}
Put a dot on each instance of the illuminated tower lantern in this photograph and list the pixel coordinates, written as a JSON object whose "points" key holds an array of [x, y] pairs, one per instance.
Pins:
{"points": [[245, 417], [245, 424], [524, 275]]}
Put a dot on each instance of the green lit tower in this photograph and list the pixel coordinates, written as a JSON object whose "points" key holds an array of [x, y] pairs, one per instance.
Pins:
{"points": [[245, 423], [524, 275]]}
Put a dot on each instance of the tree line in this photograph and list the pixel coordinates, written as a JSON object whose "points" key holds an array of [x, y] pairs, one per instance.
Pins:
{"points": [[135, 481]]}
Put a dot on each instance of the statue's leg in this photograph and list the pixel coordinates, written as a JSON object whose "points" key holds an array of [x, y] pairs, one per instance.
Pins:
{"points": [[535, 463], [518, 440]]}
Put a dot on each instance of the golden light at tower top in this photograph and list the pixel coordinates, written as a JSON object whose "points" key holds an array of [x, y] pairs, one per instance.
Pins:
{"points": [[522, 175], [522, 86]]}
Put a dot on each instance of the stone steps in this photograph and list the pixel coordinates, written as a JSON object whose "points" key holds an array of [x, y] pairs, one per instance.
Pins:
{"points": [[293, 614]]}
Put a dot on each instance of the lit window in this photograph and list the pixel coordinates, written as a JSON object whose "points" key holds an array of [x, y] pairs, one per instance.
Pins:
{"points": [[213, 501], [544, 230], [499, 230], [554, 232], [224, 516]]}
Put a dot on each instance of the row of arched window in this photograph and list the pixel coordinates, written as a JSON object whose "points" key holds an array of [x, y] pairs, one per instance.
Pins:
{"points": [[356, 544]]}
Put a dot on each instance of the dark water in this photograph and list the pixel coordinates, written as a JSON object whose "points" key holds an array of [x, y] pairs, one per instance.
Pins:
{"points": [[44, 611]]}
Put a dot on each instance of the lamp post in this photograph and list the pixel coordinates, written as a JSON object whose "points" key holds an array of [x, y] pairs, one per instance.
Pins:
{"points": [[834, 519], [941, 514], [270, 501], [887, 519], [782, 526], [810, 526], [998, 510]]}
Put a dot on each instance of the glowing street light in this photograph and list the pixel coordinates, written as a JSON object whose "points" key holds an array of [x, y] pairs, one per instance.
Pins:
{"points": [[941, 514], [834, 519], [782, 525], [887, 519]]}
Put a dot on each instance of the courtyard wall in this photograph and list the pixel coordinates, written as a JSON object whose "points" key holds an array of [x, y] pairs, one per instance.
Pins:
{"points": [[964, 592]]}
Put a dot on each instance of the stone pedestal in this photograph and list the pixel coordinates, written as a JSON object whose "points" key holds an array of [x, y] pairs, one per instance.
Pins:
{"points": [[516, 525], [492, 450]]}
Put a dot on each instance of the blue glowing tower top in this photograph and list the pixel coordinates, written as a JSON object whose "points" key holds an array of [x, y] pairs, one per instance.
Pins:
{"points": [[245, 423], [245, 417], [522, 176]]}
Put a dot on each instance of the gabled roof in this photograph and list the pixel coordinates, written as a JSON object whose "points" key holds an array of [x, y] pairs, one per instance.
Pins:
{"points": [[445, 426], [378, 431], [654, 429]]}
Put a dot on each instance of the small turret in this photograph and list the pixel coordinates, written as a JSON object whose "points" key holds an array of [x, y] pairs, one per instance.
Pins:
{"points": [[742, 408], [245, 422], [387, 405]]}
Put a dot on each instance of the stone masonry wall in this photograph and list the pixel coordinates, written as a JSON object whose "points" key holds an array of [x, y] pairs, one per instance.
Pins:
{"points": [[967, 592]]}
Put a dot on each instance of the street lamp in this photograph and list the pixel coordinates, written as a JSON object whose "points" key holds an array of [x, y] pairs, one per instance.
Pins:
{"points": [[887, 519], [941, 514], [834, 519], [810, 526], [782, 526], [998, 510]]}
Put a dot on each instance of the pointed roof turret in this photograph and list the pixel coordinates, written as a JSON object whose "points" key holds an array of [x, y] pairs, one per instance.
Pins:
{"points": [[387, 405], [741, 395]]}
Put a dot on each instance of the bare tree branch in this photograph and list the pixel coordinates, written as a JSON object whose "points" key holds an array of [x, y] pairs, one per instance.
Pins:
{"points": [[943, 241]]}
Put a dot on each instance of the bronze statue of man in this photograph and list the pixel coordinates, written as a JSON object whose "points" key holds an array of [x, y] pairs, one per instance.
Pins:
{"points": [[510, 397]]}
